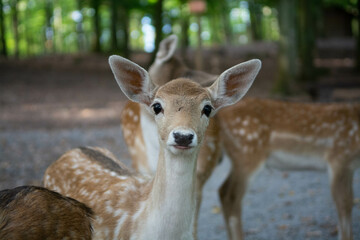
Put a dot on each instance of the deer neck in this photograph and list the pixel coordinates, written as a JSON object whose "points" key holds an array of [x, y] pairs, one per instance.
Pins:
{"points": [[172, 198], [150, 136]]}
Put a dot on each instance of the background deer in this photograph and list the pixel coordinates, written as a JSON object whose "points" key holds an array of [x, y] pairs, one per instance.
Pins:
{"points": [[162, 207], [30, 212], [292, 135]]}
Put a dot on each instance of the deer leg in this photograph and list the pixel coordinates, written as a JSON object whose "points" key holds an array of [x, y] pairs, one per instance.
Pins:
{"points": [[231, 195], [197, 210], [341, 187]]}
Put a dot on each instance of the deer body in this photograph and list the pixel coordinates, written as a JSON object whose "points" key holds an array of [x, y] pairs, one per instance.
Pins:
{"points": [[35, 213], [257, 133], [127, 206], [132, 206], [290, 136], [295, 136]]}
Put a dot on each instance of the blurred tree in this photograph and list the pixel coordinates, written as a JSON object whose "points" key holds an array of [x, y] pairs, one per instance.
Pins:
{"points": [[307, 19], [95, 4], [184, 23], [358, 37], [15, 23], [114, 17], [124, 9], [49, 30], [225, 9], [125, 47], [158, 24], [287, 47], [256, 16], [81, 41], [2, 31]]}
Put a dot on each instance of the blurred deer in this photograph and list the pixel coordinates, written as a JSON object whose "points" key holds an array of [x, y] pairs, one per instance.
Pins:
{"points": [[36, 213], [293, 136], [133, 206]]}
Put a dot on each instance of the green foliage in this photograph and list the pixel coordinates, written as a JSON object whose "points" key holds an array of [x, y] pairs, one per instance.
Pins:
{"points": [[70, 26]]}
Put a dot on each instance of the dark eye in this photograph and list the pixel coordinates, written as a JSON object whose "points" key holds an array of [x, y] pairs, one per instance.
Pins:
{"points": [[157, 108], [207, 110]]}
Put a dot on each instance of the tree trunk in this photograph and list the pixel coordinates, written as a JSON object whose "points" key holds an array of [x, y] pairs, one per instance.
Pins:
{"points": [[28, 33], [287, 47], [307, 36], [256, 20], [15, 21], [114, 41], [358, 38], [184, 40], [49, 30], [97, 29], [158, 26], [2, 31], [125, 20], [226, 22], [81, 40], [198, 53]]}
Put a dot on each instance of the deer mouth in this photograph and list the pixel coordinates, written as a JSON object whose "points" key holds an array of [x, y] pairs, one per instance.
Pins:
{"points": [[182, 147]]}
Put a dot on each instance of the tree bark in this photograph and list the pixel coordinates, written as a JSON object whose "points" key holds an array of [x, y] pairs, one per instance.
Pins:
{"points": [[158, 26], [81, 40], [307, 36], [287, 61], [125, 20], [358, 39], [256, 20], [49, 30], [96, 25], [2, 31], [184, 40], [15, 21], [114, 40], [226, 22]]}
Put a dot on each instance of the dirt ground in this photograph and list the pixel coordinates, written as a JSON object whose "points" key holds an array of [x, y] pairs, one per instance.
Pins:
{"points": [[49, 105]]}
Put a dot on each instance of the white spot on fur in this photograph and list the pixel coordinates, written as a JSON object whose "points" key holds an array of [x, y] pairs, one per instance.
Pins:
{"points": [[211, 145], [242, 131], [119, 224], [249, 137]]}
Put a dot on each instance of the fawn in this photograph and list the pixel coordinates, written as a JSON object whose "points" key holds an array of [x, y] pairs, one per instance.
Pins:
{"points": [[36, 213], [133, 206], [292, 135]]}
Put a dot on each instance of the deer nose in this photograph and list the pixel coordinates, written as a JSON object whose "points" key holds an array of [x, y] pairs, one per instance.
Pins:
{"points": [[183, 139]]}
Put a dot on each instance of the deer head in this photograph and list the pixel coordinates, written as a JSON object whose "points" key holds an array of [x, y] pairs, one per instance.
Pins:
{"points": [[182, 108]]}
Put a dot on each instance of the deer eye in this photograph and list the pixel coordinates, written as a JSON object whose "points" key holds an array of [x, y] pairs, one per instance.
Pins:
{"points": [[207, 110], [157, 108]]}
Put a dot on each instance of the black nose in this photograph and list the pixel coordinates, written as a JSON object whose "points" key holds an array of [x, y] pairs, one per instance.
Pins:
{"points": [[183, 139]]}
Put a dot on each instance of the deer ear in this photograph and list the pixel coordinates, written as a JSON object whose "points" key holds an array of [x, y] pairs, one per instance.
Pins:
{"points": [[133, 80], [167, 48], [233, 84]]}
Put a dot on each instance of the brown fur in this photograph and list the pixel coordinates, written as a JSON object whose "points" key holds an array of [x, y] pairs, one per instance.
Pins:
{"points": [[102, 159], [31, 213], [130, 205], [89, 182], [254, 128], [247, 129]]}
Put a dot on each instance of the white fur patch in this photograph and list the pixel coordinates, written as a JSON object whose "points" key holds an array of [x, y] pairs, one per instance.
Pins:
{"points": [[151, 139], [289, 161]]}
